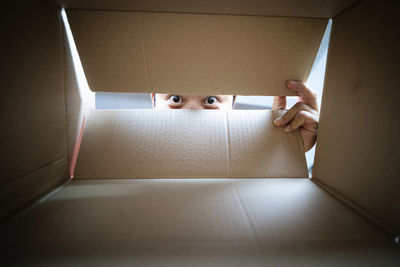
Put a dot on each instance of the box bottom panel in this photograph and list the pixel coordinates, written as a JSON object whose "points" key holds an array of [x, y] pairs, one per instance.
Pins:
{"points": [[194, 222]]}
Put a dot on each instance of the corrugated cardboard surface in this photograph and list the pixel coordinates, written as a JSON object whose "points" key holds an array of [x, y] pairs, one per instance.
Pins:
{"points": [[282, 8], [358, 141], [194, 53], [188, 143], [32, 107], [247, 222], [259, 149]]}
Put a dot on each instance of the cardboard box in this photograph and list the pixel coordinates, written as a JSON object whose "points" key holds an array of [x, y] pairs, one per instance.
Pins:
{"points": [[198, 187]]}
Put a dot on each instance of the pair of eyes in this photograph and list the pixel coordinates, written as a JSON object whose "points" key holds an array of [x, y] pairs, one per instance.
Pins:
{"points": [[209, 100]]}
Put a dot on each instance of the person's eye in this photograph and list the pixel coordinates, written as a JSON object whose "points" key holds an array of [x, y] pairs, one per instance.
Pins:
{"points": [[211, 100], [175, 100]]}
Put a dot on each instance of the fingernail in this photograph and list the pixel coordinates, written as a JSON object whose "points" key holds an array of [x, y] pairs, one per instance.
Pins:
{"points": [[277, 120], [287, 128]]}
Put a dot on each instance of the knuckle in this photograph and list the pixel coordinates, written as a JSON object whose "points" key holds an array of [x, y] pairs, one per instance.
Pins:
{"points": [[304, 106], [307, 108], [302, 114], [313, 93], [298, 105], [315, 119], [288, 114]]}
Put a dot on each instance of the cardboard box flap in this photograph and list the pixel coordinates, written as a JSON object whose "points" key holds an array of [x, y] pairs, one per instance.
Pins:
{"points": [[358, 137], [32, 110], [194, 53], [281, 8], [188, 144]]}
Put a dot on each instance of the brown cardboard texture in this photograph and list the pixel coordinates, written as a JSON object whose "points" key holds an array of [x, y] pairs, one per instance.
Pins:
{"points": [[273, 8], [346, 215], [194, 53], [188, 144], [32, 112], [195, 221], [358, 147]]}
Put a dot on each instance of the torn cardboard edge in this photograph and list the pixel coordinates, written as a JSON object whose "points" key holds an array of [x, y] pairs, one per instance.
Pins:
{"points": [[188, 144]]}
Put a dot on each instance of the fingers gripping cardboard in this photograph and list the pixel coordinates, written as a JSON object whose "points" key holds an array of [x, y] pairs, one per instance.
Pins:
{"points": [[188, 144]]}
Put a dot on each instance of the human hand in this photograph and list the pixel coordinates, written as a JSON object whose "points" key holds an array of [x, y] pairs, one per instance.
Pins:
{"points": [[304, 114]]}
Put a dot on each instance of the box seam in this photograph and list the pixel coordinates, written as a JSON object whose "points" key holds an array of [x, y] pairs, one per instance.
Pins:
{"points": [[63, 57], [228, 145], [76, 149], [32, 204], [194, 13], [246, 215], [33, 171], [368, 216], [42, 186], [340, 10]]}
